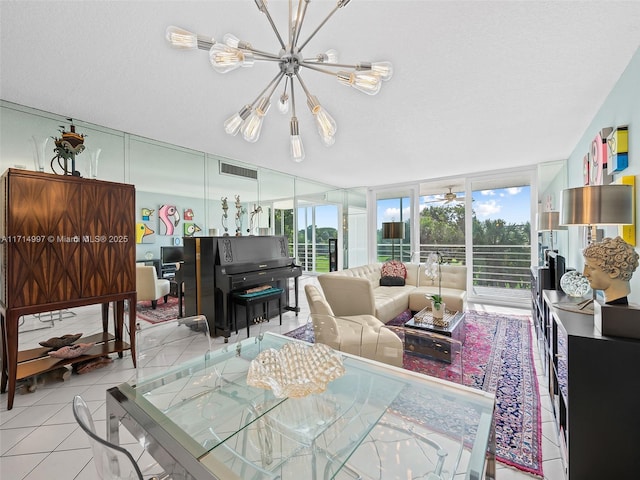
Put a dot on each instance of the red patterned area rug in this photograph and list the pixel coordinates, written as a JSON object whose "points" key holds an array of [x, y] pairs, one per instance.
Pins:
{"points": [[497, 357], [162, 313]]}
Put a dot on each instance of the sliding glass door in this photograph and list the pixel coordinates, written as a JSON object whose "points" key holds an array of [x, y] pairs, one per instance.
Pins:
{"points": [[499, 247]]}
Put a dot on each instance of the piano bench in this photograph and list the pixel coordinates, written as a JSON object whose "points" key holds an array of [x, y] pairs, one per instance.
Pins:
{"points": [[249, 300]]}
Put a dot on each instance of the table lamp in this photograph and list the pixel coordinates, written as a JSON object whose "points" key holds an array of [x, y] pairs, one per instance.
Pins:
{"points": [[392, 231], [594, 205], [548, 222]]}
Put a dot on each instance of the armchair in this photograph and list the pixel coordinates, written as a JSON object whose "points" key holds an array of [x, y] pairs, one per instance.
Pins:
{"points": [[361, 335], [149, 286]]}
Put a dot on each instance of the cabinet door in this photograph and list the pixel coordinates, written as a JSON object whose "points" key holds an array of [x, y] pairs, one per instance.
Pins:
{"points": [[43, 249], [108, 249]]}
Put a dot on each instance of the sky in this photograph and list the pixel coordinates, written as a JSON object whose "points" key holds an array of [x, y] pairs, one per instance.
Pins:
{"points": [[509, 204]]}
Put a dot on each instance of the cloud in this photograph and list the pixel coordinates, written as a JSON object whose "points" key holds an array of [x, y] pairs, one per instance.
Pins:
{"points": [[391, 214], [514, 190], [485, 209], [489, 193]]}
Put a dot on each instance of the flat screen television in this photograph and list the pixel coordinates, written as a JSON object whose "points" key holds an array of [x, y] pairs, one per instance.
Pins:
{"points": [[557, 268], [171, 255]]}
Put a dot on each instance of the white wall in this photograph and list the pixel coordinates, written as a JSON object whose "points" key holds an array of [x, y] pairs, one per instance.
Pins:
{"points": [[622, 107]]}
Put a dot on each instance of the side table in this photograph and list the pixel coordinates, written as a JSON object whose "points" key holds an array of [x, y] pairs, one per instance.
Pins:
{"points": [[434, 341]]}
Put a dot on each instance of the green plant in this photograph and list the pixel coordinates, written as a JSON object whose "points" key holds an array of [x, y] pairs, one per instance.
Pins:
{"points": [[437, 301]]}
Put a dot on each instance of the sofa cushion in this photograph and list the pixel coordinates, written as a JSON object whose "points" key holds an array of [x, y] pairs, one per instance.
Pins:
{"points": [[455, 300]]}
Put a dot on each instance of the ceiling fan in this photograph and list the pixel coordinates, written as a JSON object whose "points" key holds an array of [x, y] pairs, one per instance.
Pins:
{"points": [[447, 198]]}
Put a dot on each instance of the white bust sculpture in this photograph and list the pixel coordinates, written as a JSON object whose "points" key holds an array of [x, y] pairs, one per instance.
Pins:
{"points": [[609, 265]]}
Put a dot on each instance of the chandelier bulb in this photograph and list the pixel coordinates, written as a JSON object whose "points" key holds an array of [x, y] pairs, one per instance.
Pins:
{"points": [[252, 127], [330, 56], [325, 123], [297, 149], [233, 123], [366, 81], [283, 104], [231, 40], [181, 38], [383, 69], [225, 58]]}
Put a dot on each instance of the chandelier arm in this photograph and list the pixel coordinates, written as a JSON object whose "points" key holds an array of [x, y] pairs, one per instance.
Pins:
{"points": [[356, 66], [273, 83], [302, 84], [293, 99], [262, 54], [262, 6], [335, 9], [300, 16], [317, 69]]}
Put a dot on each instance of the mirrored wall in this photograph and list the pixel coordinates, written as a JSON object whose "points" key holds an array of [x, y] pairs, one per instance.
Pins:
{"points": [[182, 192]]}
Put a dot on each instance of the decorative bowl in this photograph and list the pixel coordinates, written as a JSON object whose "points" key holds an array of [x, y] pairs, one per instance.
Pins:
{"points": [[574, 284]]}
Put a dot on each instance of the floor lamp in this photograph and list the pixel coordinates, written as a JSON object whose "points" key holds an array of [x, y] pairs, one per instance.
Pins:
{"points": [[594, 205], [392, 231]]}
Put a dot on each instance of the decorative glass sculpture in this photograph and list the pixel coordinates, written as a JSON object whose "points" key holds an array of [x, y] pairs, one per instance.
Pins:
{"points": [[574, 284], [296, 370]]}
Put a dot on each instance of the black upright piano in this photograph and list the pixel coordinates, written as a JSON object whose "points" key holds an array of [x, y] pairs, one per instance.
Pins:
{"points": [[216, 267]]}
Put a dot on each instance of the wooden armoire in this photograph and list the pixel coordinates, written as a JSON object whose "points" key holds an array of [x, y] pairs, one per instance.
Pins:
{"points": [[65, 242]]}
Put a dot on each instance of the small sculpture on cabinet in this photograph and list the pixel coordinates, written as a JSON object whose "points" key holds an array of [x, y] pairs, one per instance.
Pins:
{"points": [[609, 265], [225, 215]]}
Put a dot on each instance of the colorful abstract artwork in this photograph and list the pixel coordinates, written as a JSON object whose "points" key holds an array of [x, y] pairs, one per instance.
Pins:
{"points": [[618, 150], [190, 229], [146, 214], [169, 218], [628, 232], [144, 234], [597, 161], [585, 170]]}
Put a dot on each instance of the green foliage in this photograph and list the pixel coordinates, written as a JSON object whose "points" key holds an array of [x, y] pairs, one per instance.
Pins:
{"points": [[437, 300], [442, 225]]}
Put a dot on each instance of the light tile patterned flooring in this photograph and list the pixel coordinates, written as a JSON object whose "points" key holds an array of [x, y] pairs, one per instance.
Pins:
{"points": [[40, 440]]}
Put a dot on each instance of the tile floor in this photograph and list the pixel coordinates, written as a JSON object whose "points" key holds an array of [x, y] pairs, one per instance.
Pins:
{"points": [[40, 440]]}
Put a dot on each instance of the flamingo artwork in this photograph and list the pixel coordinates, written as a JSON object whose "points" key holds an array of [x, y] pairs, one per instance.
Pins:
{"points": [[169, 219]]}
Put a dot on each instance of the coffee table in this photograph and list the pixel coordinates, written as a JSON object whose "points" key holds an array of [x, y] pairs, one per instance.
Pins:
{"points": [[419, 338]]}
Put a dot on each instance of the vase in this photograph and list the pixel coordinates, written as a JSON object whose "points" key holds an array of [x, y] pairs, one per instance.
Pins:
{"points": [[437, 310]]}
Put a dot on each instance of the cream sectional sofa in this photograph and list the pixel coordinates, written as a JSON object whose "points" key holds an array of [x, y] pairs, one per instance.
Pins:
{"points": [[357, 290]]}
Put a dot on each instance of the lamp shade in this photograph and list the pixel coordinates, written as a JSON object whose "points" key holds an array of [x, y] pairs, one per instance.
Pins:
{"points": [[392, 230], [597, 205], [549, 221]]}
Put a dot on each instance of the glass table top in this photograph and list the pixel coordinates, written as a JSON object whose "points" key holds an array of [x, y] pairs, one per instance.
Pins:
{"points": [[371, 419]]}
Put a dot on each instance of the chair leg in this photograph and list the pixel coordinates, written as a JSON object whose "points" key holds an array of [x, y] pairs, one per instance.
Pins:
{"points": [[166, 297], [154, 304]]}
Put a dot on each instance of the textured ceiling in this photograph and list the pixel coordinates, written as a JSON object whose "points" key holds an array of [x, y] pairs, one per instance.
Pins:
{"points": [[478, 85]]}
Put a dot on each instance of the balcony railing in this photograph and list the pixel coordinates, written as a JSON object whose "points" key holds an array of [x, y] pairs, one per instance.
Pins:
{"points": [[495, 267]]}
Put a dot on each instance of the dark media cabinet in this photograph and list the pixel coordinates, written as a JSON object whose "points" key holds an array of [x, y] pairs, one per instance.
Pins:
{"points": [[593, 386]]}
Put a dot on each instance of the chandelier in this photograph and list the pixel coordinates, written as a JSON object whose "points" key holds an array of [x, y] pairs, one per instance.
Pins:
{"points": [[233, 53]]}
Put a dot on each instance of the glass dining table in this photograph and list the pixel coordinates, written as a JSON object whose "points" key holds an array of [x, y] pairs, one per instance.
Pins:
{"points": [[201, 420]]}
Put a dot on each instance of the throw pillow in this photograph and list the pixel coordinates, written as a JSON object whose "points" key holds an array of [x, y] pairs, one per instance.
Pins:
{"points": [[393, 268], [393, 274], [391, 282]]}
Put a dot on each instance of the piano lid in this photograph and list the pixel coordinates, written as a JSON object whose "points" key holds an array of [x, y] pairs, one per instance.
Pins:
{"points": [[243, 254]]}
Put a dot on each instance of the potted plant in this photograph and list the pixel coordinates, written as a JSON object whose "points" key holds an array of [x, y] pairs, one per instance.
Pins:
{"points": [[432, 270]]}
